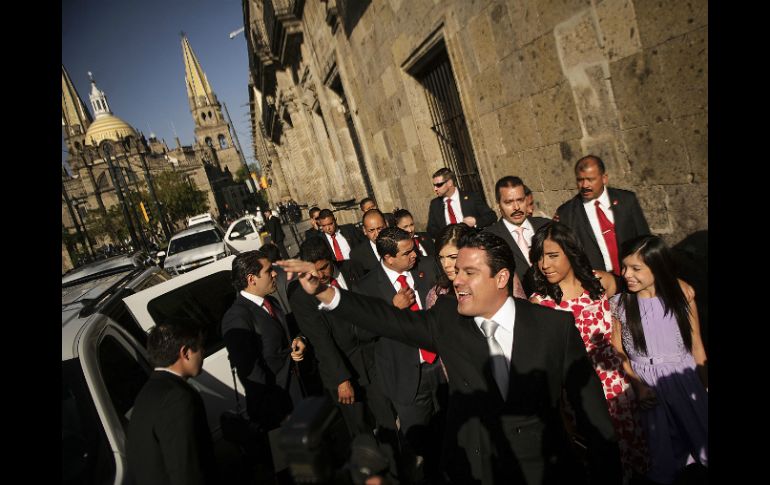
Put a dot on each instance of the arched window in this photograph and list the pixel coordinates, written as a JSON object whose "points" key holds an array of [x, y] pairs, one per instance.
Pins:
{"points": [[210, 115], [102, 181], [209, 142], [222, 141], [203, 116]]}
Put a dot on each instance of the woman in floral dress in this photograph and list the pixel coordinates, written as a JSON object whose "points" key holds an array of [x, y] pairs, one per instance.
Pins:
{"points": [[565, 281]]}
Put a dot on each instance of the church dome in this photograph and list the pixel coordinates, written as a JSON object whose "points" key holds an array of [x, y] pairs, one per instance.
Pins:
{"points": [[107, 127]]}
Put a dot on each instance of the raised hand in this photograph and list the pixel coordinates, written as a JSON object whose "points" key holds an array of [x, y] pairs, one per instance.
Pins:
{"points": [[404, 298]]}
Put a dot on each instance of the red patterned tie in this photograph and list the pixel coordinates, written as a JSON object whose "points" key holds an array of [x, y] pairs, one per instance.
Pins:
{"points": [[337, 250], [334, 283], [452, 217], [427, 355], [608, 231], [416, 243], [269, 307]]}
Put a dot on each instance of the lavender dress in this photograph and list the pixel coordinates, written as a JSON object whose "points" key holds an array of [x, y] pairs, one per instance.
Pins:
{"points": [[677, 427]]}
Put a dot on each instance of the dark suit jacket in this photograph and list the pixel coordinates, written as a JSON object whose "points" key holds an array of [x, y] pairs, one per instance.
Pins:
{"points": [[273, 226], [398, 364], [499, 229], [519, 439], [258, 346], [425, 242], [312, 233], [364, 257], [344, 351], [628, 216], [353, 236], [168, 438], [472, 204]]}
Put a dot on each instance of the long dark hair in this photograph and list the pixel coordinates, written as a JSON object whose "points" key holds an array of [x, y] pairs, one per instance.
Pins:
{"points": [[562, 235], [451, 234], [655, 254]]}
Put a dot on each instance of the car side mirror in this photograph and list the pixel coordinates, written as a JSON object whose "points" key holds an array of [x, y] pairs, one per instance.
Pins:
{"points": [[235, 235]]}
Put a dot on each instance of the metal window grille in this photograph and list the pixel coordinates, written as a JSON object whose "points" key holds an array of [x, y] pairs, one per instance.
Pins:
{"points": [[449, 121]]}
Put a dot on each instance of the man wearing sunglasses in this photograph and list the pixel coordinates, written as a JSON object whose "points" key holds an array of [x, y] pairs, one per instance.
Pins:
{"points": [[314, 229], [453, 206]]}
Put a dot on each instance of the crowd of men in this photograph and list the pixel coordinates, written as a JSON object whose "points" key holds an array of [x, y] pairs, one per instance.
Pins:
{"points": [[445, 401]]}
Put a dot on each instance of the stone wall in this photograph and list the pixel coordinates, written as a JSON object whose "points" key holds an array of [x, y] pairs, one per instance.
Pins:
{"points": [[541, 83]]}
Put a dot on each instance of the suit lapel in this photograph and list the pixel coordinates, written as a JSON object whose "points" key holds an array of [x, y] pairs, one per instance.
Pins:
{"points": [[385, 286], [466, 205], [585, 224], [420, 284]]}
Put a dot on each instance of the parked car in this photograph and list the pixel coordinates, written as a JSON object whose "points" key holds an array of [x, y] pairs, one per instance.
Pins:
{"points": [[193, 247], [245, 234], [105, 320], [200, 218]]}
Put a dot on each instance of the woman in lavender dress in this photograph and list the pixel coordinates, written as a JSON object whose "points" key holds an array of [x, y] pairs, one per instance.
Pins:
{"points": [[657, 334]]}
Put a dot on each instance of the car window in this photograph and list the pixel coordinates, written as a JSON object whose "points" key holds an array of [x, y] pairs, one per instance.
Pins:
{"points": [[205, 301], [243, 228], [123, 376], [86, 453], [195, 240]]}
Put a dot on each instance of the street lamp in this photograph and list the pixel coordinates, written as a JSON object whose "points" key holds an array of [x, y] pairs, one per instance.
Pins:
{"points": [[141, 149]]}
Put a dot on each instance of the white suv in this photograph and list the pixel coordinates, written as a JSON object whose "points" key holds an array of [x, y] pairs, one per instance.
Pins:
{"points": [[196, 246], [105, 320]]}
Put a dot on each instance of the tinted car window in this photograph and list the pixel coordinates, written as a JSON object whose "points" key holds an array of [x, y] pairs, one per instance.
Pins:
{"points": [[194, 241], [85, 451], [243, 228], [123, 376], [205, 301]]}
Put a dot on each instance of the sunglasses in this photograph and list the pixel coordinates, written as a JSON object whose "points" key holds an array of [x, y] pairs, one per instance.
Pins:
{"points": [[440, 184]]}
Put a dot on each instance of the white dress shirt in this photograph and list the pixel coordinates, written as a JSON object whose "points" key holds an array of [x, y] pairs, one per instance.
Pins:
{"points": [[393, 277], [337, 275], [590, 208], [504, 318], [374, 250], [344, 246], [458, 210], [256, 299]]}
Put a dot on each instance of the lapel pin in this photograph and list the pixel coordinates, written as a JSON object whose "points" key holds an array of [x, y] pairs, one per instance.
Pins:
{"points": [[615, 202], [421, 274]]}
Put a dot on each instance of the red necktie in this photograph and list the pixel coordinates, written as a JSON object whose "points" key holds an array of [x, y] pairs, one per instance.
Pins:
{"points": [[334, 283], [452, 217], [608, 232], [269, 307], [416, 243], [427, 355], [337, 250]]}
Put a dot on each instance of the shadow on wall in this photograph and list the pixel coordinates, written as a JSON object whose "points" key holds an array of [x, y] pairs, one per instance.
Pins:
{"points": [[691, 256]]}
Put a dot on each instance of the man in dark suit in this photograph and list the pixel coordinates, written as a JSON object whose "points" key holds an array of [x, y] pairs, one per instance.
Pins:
{"points": [[453, 206], [515, 226], [602, 219], [365, 254], [341, 239], [345, 353], [314, 230], [423, 244], [508, 362], [274, 228], [259, 342], [410, 377], [168, 439]]}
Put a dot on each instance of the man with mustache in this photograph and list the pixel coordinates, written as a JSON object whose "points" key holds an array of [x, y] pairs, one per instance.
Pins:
{"points": [[602, 219], [515, 226]]}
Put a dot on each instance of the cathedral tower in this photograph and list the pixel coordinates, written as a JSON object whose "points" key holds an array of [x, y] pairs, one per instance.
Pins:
{"points": [[211, 128], [75, 118]]}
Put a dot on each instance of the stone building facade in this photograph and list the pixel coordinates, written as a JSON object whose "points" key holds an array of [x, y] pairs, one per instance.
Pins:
{"points": [[209, 164], [370, 97]]}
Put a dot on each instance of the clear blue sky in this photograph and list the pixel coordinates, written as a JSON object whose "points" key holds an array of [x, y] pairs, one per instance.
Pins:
{"points": [[134, 50]]}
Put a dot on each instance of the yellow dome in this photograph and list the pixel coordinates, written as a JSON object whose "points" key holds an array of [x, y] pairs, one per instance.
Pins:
{"points": [[107, 127]]}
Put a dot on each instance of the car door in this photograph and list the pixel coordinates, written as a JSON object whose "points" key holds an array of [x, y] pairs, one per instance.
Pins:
{"points": [[247, 239], [202, 295]]}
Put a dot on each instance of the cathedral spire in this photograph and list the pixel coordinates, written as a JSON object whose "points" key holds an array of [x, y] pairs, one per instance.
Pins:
{"points": [[98, 99], [75, 118], [199, 92]]}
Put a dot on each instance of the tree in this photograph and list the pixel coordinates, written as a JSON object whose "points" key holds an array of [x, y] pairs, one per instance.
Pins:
{"points": [[178, 196]]}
